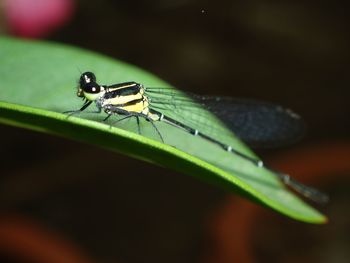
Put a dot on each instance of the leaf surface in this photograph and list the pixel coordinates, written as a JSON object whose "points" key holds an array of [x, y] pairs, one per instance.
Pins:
{"points": [[38, 83]]}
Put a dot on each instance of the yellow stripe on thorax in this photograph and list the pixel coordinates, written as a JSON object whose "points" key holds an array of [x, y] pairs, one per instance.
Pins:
{"points": [[137, 107], [122, 99]]}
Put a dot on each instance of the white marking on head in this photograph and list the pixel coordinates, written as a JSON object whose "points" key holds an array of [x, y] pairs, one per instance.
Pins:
{"points": [[87, 79]]}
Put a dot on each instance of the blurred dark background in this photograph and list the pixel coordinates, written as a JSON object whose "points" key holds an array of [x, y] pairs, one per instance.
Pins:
{"points": [[118, 209]]}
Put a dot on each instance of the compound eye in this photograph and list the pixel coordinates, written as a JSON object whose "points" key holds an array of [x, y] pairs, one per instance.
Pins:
{"points": [[92, 87], [87, 77]]}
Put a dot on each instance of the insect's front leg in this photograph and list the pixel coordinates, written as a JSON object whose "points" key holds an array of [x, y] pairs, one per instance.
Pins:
{"points": [[85, 105]]}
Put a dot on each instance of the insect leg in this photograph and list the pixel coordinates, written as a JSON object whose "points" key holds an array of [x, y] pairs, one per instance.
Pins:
{"points": [[155, 127], [110, 109], [138, 124], [109, 115], [85, 105]]}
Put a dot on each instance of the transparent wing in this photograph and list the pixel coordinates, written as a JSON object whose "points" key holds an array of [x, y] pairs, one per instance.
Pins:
{"points": [[259, 124]]}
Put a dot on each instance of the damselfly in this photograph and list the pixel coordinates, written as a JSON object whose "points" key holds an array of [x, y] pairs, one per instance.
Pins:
{"points": [[259, 124]]}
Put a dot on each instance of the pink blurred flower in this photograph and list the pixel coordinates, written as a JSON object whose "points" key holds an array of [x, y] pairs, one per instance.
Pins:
{"points": [[37, 18]]}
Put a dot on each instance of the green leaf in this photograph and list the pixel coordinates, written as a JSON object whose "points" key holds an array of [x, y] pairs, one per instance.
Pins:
{"points": [[38, 83]]}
